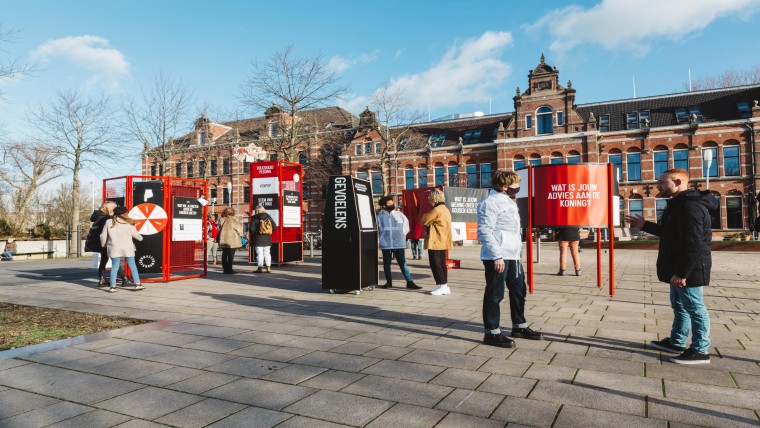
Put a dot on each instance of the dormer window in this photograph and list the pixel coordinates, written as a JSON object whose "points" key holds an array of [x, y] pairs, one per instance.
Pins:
{"points": [[684, 114], [472, 136], [744, 110], [202, 138], [437, 139], [272, 129], [696, 112], [544, 120], [638, 119], [604, 123]]}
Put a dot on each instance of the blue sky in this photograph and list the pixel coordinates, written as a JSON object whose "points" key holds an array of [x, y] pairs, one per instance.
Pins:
{"points": [[453, 56]]}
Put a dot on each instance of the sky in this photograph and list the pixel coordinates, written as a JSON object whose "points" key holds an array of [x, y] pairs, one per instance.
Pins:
{"points": [[446, 56]]}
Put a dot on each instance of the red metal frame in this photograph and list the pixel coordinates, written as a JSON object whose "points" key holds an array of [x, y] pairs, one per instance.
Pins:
{"points": [[530, 229]]}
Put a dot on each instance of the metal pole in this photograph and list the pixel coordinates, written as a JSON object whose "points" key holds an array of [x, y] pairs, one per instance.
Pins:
{"points": [[538, 247], [68, 241], [79, 240]]}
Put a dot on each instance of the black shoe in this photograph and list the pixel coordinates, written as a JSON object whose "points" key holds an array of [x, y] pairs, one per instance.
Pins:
{"points": [[526, 333], [691, 356], [387, 285], [412, 286], [578, 272], [561, 272], [667, 346], [498, 340], [103, 282]]}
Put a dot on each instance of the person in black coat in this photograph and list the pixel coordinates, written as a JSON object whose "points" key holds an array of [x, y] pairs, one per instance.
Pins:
{"points": [[262, 241], [569, 237], [92, 242], [684, 261]]}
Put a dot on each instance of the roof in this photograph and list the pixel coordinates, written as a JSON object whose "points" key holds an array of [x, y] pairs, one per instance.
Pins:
{"points": [[714, 104], [450, 131]]}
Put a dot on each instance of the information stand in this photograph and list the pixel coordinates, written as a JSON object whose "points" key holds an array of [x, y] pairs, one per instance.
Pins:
{"points": [[349, 236], [277, 186], [171, 217]]}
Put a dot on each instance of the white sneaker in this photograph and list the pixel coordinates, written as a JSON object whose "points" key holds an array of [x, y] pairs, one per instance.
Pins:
{"points": [[441, 290]]}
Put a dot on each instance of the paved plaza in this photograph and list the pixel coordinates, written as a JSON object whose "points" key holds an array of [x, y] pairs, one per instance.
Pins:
{"points": [[266, 350]]}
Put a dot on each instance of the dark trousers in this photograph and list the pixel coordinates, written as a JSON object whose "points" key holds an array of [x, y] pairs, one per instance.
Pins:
{"points": [[437, 260], [102, 266], [398, 254], [513, 277], [228, 255]]}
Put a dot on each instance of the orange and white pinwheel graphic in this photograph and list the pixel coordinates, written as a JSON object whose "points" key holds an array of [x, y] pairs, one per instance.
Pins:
{"points": [[149, 218]]}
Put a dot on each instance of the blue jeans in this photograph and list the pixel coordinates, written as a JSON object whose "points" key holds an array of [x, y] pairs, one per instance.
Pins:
{"points": [[132, 269], [398, 253], [416, 248], [690, 313], [8, 255]]}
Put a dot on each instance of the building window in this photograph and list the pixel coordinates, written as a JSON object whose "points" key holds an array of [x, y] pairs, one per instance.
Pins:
{"points": [[634, 166], [273, 156], [659, 205], [453, 176], [617, 160], [302, 158], [272, 129], [409, 178], [367, 148], [574, 159], [246, 167], [660, 162], [636, 207], [681, 159], [713, 172], [560, 118], [363, 175], [744, 110], [377, 183], [518, 164], [213, 195], [731, 165], [734, 217], [604, 123], [696, 112], [422, 177], [403, 143], [472, 176], [190, 169], [682, 115], [152, 170], [225, 196], [247, 194], [535, 161], [485, 175], [378, 148], [472, 136], [437, 139], [632, 120], [544, 120], [528, 121], [439, 175], [644, 118], [178, 169], [213, 167], [226, 166], [201, 168], [358, 151], [556, 159]]}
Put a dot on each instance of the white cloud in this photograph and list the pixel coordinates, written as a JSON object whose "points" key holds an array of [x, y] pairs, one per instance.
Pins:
{"points": [[93, 53], [339, 64], [634, 25], [468, 72]]}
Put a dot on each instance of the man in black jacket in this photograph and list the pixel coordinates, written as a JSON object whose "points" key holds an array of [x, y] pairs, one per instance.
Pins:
{"points": [[684, 261]]}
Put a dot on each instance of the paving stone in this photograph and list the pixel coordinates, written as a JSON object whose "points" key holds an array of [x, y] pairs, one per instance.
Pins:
{"points": [[458, 420], [204, 330], [304, 422], [733, 397], [339, 408], [263, 337], [355, 363], [599, 364], [136, 349], [385, 339], [532, 356], [386, 352], [58, 356], [130, 369], [691, 374], [571, 417], [247, 367], [398, 390], [445, 359], [139, 423], [254, 350], [314, 343], [92, 419], [547, 372], [294, 374], [701, 414], [354, 348], [149, 403], [583, 396], [260, 393], [202, 413], [475, 403], [748, 381], [523, 410], [284, 354], [401, 415], [163, 337], [15, 402], [507, 385], [619, 382], [252, 417], [167, 377], [89, 364], [45, 416], [508, 367], [458, 378], [219, 345], [332, 380], [203, 382], [191, 358], [404, 370], [10, 363]]}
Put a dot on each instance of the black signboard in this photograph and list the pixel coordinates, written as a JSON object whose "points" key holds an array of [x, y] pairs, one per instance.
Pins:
{"points": [[149, 254]]}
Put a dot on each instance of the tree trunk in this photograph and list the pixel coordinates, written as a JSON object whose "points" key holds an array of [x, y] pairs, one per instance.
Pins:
{"points": [[75, 213]]}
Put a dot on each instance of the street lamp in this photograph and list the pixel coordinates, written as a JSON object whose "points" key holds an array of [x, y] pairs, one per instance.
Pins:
{"points": [[708, 159], [229, 192]]}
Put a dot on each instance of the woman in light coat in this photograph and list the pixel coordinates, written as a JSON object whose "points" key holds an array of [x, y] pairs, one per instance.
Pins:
{"points": [[438, 240], [117, 237], [230, 234]]}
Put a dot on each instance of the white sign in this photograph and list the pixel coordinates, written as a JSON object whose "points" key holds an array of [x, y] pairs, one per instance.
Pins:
{"points": [[187, 229], [264, 186], [291, 216], [365, 211]]}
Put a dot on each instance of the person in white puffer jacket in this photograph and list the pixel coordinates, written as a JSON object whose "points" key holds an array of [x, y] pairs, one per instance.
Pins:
{"points": [[392, 226], [499, 235]]}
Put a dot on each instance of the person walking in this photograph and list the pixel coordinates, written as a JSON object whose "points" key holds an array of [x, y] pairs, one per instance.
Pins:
{"points": [[117, 236], [212, 231], [684, 261], [499, 233], [438, 240], [10, 249], [230, 234], [263, 226], [92, 244], [569, 237], [392, 226], [416, 249]]}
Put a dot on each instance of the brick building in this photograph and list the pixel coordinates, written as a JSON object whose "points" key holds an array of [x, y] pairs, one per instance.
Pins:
{"points": [[644, 136]]}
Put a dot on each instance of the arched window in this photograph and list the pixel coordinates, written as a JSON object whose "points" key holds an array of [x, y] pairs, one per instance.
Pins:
{"points": [[573, 157], [556, 159], [453, 171], [440, 175], [535, 159], [518, 162], [731, 165], [615, 157], [660, 160], [734, 212], [422, 181], [710, 168], [544, 120], [681, 157], [409, 177], [633, 159]]}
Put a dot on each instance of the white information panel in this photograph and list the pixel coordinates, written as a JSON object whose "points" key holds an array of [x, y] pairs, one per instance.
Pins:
{"points": [[365, 211]]}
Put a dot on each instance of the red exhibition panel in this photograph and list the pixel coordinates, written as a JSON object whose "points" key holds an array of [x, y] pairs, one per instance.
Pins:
{"points": [[570, 195]]}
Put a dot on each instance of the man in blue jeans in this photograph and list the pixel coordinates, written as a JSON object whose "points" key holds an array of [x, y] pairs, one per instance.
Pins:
{"points": [[684, 261], [392, 226]]}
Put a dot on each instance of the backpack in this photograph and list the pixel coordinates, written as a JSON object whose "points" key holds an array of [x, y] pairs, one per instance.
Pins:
{"points": [[265, 226]]}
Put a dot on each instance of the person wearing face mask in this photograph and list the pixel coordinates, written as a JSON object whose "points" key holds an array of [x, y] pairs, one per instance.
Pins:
{"points": [[392, 226], [438, 240], [501, 244]]}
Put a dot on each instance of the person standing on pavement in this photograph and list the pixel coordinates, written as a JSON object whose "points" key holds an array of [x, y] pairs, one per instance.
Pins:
{"points": [[262, 227], [392, 226], [92, 243], [230, 234], [118, 236], [569, 237], [416, 249], [684, 260], [499, 234], [212, 231], [438, 240]]}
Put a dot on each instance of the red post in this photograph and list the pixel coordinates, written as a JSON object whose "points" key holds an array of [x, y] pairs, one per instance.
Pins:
{"points": [[530, 230], [610, 213], [599, 257]]}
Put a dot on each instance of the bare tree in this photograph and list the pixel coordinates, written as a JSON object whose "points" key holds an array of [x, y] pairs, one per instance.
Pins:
{"points": [[290, 85], [83, 129], [11, 68], [157, 117], [395, 125], [27, 166], [726, 79]]}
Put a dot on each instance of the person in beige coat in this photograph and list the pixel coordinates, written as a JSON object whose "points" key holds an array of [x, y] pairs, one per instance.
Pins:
{"points": [[117, 237], [230, 234], [438, 240]]}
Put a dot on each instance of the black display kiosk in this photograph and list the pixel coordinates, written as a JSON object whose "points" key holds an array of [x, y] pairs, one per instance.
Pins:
{"points": [[349, 236]]}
